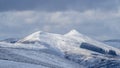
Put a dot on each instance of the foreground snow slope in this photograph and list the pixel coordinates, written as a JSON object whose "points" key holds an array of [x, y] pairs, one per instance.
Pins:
{"points": [[12, 64], [32, 55]]}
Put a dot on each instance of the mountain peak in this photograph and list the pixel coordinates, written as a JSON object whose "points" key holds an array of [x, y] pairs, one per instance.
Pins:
{"points": [[73, 32], [34, 36], [38, 32]]}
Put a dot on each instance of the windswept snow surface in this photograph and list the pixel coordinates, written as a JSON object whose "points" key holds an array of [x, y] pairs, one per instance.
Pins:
{"points": [[12, 64], [71, 50], [31, 56]]}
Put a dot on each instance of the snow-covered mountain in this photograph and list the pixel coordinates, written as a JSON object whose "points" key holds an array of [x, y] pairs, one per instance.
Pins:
{"points": [[67, 42], [71, 50]]}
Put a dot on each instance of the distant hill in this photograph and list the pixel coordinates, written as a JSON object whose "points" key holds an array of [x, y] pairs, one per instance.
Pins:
{"points": [[10, 40], [113, 42]]}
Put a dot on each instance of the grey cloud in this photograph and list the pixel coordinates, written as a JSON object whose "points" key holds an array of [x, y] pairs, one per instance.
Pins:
{"points": [[58, 5]]}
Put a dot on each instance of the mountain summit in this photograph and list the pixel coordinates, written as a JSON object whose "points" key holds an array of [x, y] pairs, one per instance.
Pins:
{"points": [[73, 32], [34, 36]]}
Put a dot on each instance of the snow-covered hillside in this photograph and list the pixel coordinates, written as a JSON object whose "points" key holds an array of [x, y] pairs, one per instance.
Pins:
{"points": [[71, 50]]}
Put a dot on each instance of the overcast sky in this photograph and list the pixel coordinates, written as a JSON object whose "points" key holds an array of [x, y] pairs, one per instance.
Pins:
{"points": [[99, 19]]}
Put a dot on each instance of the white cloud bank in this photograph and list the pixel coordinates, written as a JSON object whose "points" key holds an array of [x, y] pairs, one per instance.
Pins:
{"points": [[91, 22]]}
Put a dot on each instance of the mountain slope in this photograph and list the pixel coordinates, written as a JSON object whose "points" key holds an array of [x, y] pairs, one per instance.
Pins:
{"points": [[84, 39]]}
